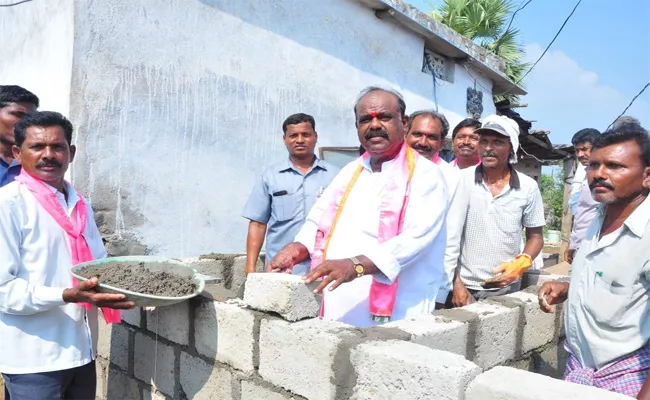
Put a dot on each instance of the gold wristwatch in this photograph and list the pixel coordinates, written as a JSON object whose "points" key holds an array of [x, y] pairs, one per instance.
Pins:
{"points": [[358, 267]]}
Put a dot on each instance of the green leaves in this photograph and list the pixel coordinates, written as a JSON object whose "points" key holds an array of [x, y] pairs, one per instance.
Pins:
{"points": [[553, 196], [485, 22]]}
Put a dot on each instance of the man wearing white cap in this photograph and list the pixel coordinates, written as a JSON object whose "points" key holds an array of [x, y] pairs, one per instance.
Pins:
{"points": [[493, 203]]}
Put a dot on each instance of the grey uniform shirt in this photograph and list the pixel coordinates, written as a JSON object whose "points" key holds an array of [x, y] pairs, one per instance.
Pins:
{"points": [[484, 231], [606, 316], [282, 197]]}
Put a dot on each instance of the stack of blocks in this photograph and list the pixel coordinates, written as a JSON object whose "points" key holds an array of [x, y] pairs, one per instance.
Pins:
{"points": [[270, 346]]}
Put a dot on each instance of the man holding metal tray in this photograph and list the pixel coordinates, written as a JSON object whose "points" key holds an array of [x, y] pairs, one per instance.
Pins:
{"points": [[48, 324]]}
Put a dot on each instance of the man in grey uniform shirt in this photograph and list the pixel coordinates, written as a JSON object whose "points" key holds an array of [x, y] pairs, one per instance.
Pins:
{"points": [[606, 316], [285, 192]]}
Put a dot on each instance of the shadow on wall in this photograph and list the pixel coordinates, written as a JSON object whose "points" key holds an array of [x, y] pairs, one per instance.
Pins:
{"points": [[143, 352], [549, 360], [365, 37]]}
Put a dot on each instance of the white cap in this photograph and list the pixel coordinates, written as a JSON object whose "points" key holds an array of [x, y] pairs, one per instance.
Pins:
{"points": [[503, 126]]}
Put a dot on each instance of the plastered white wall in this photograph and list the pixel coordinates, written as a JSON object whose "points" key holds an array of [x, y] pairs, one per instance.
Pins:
{"points": [[36, 40], [179, 103]]}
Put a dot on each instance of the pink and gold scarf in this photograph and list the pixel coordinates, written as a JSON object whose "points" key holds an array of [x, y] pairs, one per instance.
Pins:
{"points": [[391, 219]]}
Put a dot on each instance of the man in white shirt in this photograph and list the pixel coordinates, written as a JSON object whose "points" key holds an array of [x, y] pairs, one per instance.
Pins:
{"points": [[377, 234], [48, 342], [464, 143], [608, 298], [584, 209], [492, 205], [427, 134]]}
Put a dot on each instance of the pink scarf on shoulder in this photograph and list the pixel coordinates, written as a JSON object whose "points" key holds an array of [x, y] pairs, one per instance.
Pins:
{"points": [[73, 226], [391, 219], [436, 159]]}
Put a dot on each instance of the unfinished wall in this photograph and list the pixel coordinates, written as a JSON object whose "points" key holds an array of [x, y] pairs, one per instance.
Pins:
{"points": [[179, 105], [268, 347]]}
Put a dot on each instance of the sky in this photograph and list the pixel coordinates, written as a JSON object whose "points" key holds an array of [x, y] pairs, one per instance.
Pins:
{"points": [[600, 61]]}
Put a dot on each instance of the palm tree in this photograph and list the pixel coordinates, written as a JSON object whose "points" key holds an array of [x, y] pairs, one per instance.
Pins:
{"points": [[487, 22]]}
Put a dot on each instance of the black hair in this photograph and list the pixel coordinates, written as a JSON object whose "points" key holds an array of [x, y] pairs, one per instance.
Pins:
{"points": [[43, 119], [587, 135], [296, 119], [361, 149], [625, 119], [16, 94], [625, 133], [467, 122], [370, 89], [444, 125]]}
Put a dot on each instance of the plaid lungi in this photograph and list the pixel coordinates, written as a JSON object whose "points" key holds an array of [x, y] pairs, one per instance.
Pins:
{"points": [[624, 376]]}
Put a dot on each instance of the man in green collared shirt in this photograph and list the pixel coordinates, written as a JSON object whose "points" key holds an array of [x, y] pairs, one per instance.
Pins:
{"points": [[606, 316]]}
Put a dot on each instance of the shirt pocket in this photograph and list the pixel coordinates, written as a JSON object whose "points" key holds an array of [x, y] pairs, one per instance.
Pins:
{"points": [[608, 301], [285, 207], [508, 220]]}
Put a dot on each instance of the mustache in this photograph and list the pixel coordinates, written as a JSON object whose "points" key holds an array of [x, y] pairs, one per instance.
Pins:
{"points": [[420, 147], [468, 146], [600, 183], [376, 133], [489, 154], [48, 164]]}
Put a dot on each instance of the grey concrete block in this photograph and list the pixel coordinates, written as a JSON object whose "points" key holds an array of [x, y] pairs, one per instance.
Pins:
{"points": [[435, 332], [208, 266], [152, 395], [538, 327], [132, 317], [303, 357], [201, 380], [171, 322], [495, 333], [121, 386], [226, 332], [550, 361], [253, 391], [113, 344], [403, 370], [538, 278], [154, 363], [238, 274], [284, 294], [504, 383]]}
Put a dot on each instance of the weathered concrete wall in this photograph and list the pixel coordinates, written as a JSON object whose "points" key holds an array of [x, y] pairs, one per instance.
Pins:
{"points": [[220, 347], [180, 104], [36, 39]]}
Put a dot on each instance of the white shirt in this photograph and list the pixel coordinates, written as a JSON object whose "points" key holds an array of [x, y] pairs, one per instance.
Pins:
{"points": [[450, 174], [39, 331], [578, 178], [415, 255], [606, 315], [486, 230]]}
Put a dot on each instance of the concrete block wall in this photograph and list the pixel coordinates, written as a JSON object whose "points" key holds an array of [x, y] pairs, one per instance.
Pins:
{"points": [[269, 346]]}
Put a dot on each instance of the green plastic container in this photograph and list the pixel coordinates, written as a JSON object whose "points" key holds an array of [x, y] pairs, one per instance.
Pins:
{"points": [[154, 264]]}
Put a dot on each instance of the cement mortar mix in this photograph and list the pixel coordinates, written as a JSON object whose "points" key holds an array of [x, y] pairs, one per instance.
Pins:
{"points": [[135, 277]]}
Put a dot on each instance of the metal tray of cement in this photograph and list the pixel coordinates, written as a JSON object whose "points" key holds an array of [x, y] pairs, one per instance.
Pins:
{"points": [[152, 263]]}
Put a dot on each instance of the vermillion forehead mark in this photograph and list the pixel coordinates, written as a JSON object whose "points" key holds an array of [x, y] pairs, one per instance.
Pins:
{"points": [[373, 114]]}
